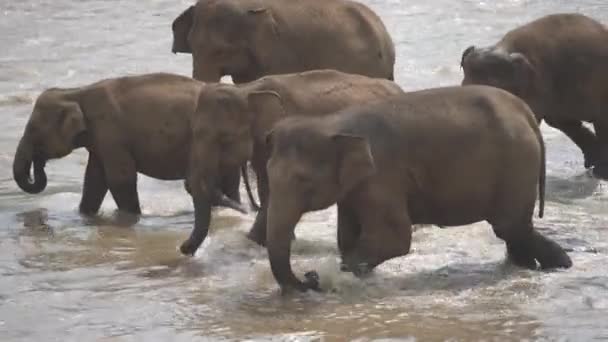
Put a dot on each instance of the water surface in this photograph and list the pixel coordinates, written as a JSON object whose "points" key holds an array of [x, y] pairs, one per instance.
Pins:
{"points": [[64, 277]]}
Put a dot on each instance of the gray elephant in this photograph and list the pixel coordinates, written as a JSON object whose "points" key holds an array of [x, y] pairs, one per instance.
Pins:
{"points": [[127, 124], [234, 121], [248, 39], [559, 65], [448, 156]]}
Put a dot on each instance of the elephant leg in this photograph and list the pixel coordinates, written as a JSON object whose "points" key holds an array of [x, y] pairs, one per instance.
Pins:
{"points": [[600, 169], [230, 182], [385, 234], [583, 138], [525, 246], [95, 187], [348, 230], [257, 233], [121, 176]]}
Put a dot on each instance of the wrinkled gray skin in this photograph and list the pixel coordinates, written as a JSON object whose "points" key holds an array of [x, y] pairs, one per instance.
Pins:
{"points": [[447, 156], [559, 65], [232, 122], [128, 125], [248, 39]]}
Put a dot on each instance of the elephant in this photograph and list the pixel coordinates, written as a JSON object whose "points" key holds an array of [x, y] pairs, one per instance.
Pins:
{"points": [[558, 64], [128, 125], [235, 118], [447, 156], [248, 39]]}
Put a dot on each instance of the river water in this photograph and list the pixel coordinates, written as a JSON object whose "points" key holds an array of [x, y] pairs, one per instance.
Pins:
{"points": [[65, 278]]}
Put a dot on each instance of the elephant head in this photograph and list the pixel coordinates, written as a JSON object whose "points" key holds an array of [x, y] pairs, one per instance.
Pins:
{"points": [[309, 169], [56, 127], [511, 71], [224, 38], [224, 132]]}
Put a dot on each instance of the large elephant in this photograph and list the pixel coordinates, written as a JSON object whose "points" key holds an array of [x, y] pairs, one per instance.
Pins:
{"points": [[234, 121], [447, 156], [559, 65], [127, 124], [248, 39]]}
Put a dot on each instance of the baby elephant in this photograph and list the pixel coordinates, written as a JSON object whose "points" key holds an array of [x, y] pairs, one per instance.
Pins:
{"points": [[448, 156], [558, 64], [128, 125], [233, 121]]}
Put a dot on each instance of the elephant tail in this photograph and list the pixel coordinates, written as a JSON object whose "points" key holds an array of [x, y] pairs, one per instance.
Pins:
{"points": [[541, 177], [254, 205]]}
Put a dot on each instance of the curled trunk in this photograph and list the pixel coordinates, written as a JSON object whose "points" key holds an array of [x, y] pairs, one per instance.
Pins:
{"points": [[24, 158], [202, 217]]}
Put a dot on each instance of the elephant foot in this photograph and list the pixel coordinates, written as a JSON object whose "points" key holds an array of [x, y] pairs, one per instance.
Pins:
{"points": [[360, 269], [357, 264], [527, 251], [188, 248], [312, 281], [601, 171], [550, 254], [520, 254]]}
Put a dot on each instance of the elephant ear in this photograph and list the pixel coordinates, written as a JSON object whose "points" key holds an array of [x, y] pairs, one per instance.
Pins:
{"points": [[264, 34], [267, 108], [181, 28], [524, 71], [72, 123], [355, 160], [465, 53]]}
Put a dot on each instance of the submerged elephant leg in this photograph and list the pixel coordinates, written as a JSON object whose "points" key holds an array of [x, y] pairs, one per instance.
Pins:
{"points": [[121, 176], [348, 230], [230, 181], [385, 234], [525, 246], [95, 187], [257, 233], [600, 169], [583, 138]]}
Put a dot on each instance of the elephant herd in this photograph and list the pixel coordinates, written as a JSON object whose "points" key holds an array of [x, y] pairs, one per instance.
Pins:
{"points": [[316, 114]]}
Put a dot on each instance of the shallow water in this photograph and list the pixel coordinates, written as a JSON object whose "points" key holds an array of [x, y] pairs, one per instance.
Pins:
{"points": [[64, 277]]}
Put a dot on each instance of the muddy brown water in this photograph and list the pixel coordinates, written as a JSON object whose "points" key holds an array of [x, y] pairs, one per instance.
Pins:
{"points": [[65, 278]]}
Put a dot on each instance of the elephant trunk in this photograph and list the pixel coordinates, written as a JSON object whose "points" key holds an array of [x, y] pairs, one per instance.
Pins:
{"points": [[202, 217], [281, 224], [24, 157]]}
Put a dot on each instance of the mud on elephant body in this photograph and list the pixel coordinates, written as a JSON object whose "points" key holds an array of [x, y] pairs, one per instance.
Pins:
{"points": [[394, 163], [235, 119], [559, 65], [127, 124], [248, 39]]}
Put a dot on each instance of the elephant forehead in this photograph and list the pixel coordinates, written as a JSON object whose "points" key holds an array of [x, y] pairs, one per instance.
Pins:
{"points": [[491, 57], [302, 142]]}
